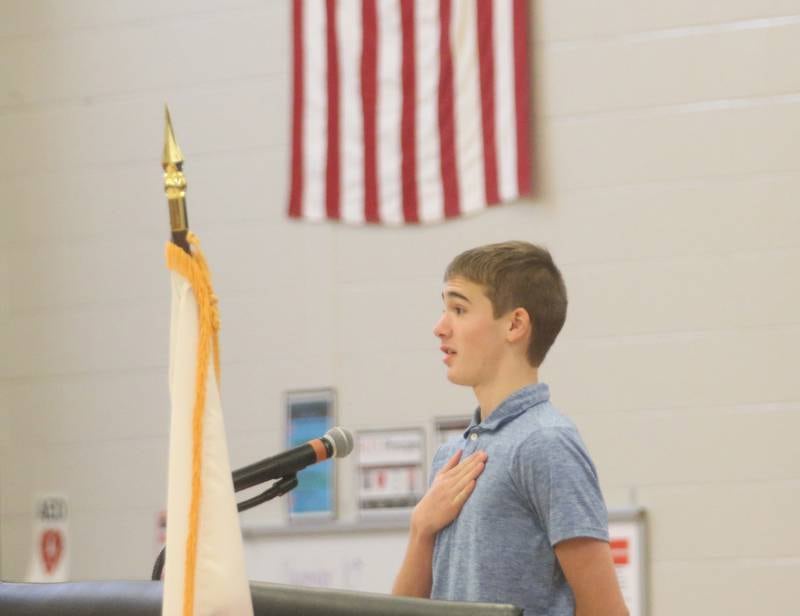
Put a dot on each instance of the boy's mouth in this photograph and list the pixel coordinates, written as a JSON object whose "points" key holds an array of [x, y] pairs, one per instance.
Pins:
{"points": [[448, 354]]}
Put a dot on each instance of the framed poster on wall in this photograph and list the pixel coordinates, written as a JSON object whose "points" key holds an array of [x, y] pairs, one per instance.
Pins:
{"points": [[309, 415], [390, 469]]}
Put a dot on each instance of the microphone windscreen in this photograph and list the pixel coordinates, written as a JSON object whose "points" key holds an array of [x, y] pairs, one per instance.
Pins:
{"points": [[342, 441]]}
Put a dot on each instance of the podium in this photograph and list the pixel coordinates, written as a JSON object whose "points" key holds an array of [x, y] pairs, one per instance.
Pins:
{"points": [[143, 598]]}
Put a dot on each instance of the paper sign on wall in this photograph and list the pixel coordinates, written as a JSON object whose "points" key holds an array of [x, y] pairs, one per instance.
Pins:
{"points": [[627, 541], [50, 547], [390, 469]]}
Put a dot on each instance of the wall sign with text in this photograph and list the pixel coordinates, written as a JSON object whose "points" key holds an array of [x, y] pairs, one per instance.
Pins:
{"points": [[49, 561], [390, 469]]}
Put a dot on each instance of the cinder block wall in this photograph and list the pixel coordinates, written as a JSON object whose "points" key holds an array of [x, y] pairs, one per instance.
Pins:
{"points": [[669, 172]]}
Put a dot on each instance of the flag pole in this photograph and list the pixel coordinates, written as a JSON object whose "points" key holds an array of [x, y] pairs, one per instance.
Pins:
{"points": [[175, 185]]}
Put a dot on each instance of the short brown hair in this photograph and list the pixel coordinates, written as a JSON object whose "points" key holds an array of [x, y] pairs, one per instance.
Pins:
{"points": [[518, 275]]}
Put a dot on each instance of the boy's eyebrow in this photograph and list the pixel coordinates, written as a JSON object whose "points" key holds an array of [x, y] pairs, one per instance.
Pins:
{"points": [[456, 295]]}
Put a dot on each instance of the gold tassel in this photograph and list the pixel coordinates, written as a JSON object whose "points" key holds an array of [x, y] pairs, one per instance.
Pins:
{"points": [[194, 268]]}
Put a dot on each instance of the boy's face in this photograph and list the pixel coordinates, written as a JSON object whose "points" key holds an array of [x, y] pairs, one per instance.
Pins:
{"points": [[473, 341]]}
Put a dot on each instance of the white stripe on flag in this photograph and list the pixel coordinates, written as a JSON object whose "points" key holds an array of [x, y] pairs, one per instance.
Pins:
{"points": [[429, 172], [505, 110], [315, 110], [469, 132], [348, 25], [389, 105]]}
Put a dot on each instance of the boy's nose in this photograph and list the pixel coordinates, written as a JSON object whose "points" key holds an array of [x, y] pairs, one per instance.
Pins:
{"points": [[439, 329]]}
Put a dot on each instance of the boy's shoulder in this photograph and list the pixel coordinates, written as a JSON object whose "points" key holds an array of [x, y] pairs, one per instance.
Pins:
{"points": [[543, 438], [542, 421]]}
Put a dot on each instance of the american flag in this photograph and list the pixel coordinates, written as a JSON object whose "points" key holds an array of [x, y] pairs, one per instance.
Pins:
{"points": [[408, 111]]}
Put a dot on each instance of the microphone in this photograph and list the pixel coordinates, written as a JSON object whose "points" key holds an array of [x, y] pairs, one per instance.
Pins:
{"points": [[337, 443]]}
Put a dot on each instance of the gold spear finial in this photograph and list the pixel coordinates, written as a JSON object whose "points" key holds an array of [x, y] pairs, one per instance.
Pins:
{"points": [[175, 185], [172, 151]]}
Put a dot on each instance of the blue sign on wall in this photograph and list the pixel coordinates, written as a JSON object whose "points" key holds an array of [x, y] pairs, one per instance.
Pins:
{"points": [[310, 415]]}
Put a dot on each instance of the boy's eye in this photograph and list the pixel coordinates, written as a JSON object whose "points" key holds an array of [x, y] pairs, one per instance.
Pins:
{"points": [[459, 310]]}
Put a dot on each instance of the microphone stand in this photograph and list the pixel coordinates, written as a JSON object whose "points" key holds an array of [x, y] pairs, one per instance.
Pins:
{"points": [[279, 488]]}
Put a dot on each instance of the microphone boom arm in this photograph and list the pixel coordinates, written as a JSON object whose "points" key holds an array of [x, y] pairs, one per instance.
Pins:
{"points": [[279, 488]]}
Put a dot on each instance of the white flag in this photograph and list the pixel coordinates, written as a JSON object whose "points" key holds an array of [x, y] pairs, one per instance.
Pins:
{"points": [[204, 571]]}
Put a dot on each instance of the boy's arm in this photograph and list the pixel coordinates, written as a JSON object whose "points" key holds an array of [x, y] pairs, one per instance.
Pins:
{"points": [[441, 504], [589, 569], [415, 577]]}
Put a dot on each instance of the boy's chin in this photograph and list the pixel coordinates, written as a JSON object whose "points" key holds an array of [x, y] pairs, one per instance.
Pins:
{"points": [[458, 379]]}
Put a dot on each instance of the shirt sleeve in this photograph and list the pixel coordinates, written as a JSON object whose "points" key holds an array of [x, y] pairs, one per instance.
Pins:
{"points": [[555, 474]]}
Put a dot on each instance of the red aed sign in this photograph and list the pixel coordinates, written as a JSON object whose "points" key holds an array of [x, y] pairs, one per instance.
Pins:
{"points": [[51, 546]]}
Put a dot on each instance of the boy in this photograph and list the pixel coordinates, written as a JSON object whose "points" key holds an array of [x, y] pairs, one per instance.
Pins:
{"points": [[533, 530]]}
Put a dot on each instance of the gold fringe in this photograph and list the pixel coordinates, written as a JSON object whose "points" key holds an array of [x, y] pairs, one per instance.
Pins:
{"points": [[194, 268]]}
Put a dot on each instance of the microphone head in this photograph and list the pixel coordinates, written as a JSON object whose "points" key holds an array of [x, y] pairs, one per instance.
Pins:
{"points": [[342, 441]]}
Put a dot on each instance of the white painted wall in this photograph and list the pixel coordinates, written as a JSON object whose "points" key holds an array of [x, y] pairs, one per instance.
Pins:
{"points": [[667, 137]]}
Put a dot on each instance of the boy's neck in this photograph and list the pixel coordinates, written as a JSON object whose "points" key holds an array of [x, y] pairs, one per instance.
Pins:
{"points": [[491, 395]]}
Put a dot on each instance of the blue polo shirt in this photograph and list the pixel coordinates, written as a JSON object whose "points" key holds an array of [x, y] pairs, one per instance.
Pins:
{"points": [[539, 487]]}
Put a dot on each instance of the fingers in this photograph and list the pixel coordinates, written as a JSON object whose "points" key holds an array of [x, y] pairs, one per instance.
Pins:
{"points": [[451, 463], [469, 471], [462, 496], [468, 465], [456, 475], [451, 488]]}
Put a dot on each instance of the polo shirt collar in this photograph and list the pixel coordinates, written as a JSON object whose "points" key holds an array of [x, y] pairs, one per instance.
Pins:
{"points": [[510, 408]]}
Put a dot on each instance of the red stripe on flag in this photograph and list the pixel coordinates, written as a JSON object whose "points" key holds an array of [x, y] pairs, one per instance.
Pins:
{"points": [[369, 91], [447, 130], [521, 95], [486, 65], [408, 138], [332, 165], [296, 189]]}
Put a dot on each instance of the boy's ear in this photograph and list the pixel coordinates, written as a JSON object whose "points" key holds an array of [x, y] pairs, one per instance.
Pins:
{"points": [[519, 324]]}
